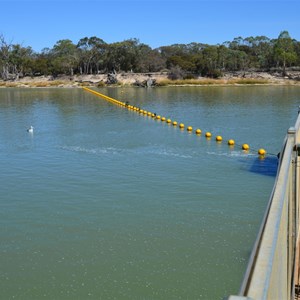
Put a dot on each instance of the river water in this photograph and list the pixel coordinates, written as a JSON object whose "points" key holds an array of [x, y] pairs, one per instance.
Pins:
{"points": [[100, 202]]}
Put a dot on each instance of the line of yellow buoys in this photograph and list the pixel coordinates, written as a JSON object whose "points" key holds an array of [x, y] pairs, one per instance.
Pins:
{"points": [[261, 152]]}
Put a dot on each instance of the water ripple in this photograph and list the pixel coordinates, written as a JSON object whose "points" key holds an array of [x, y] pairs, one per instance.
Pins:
{"points": [[116, 151], [232, 154], [96, 151]]}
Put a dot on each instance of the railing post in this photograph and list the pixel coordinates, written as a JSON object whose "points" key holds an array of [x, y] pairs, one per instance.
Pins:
{"points": [[296, 273], [295, 278], [292, 215]]}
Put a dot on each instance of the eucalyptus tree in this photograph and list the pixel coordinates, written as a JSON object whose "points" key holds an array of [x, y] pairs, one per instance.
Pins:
{"points": [[173, 50], [155, 61], [129, 51], [185, 62], [64, 56], [5, 49], [42, 62], [231, 61], [297, 50], [20, 60], [15, 60], [284, 51], [149, 60], [122, 56], [91, 52], [195, 48], [210, 61], [222, 55], [236, 43], [185, 56], [261, 51]]}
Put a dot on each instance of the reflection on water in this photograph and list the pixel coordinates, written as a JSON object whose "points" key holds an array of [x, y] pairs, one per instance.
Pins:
{"points": [[267, 166], [102, 203]]}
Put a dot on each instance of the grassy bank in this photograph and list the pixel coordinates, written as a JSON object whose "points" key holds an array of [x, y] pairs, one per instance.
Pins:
{"points": [[44, 82], [29, 84], [167, 82]]}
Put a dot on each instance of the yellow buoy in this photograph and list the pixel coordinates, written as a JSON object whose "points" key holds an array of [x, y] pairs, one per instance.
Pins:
{"points": [[219, 138], [262, 152], [174, 123], [245, 147], [208, 134], [158, 117], [149, 113], [169, 121], [145, 112], [141, 111], [181, 125], [198, 131], [163, 119], [230, 142], [190, 128], [134, 108]]}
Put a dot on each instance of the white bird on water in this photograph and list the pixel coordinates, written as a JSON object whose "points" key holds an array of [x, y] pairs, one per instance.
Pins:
{"points": [[30, 129]]}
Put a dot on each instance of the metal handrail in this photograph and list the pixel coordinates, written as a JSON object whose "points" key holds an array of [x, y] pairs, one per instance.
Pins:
{"points": [[269, 274]]}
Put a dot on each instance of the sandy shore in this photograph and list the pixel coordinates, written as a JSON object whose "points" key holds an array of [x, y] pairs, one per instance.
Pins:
{"points": [[136, 79]]}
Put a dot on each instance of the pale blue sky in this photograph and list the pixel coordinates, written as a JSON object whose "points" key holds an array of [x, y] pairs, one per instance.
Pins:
{"points": [[41, 23]]}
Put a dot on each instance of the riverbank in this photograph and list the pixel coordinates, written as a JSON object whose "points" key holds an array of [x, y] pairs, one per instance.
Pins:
{"points": [[153, 79]]}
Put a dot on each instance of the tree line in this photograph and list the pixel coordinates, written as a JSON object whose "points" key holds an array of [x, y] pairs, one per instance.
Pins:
{"points": [[92, 55]]}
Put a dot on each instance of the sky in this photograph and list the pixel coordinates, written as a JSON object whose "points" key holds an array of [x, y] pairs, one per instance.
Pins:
{"points": [[41, 23]]}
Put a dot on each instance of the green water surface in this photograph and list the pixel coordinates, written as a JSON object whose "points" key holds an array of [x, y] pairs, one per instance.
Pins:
{"points": [[104, 203]]}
